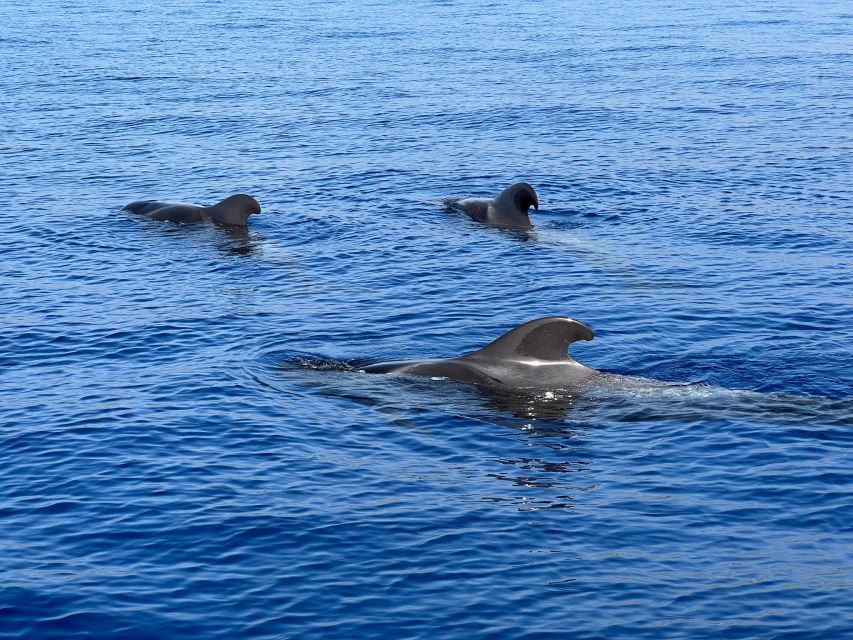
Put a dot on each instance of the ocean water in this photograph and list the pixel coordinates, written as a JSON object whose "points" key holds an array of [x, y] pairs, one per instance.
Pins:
{"points": [[187, 447]]}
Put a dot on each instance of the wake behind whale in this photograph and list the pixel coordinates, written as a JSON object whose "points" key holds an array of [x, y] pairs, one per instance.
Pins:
{"points": [[605, 397], [529, 371], [529, 374]]}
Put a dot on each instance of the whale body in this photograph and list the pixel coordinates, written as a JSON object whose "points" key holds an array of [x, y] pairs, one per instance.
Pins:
{"points": [[509, 210], [531, 356], [233, 211]]}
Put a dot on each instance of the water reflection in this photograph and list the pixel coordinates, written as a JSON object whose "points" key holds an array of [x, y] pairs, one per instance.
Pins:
{"points": [[544, 405], [549, 481], [229, 240], [536, 466], [239, 241]]}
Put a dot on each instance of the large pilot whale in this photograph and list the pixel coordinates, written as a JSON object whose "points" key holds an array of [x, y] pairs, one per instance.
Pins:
{"points": [[509, 210], [233, 211], [532, 356]]}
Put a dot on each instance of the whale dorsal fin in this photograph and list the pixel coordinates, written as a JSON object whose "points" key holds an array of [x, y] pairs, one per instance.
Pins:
{"points": [[520, 197], [235, 210], [542, 339]]}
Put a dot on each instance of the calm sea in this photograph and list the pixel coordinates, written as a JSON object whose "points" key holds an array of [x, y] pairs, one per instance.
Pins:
{"points": [[186, 447]]}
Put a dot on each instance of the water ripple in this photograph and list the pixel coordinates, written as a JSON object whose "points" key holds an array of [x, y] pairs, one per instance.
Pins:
{"points": [[188, 446]]}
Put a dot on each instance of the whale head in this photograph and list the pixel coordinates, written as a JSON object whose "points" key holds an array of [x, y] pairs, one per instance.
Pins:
{"points": [[235, 210]]}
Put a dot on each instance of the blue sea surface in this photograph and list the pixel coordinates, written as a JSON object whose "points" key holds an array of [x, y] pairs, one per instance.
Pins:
{"points": [[187, 447]]}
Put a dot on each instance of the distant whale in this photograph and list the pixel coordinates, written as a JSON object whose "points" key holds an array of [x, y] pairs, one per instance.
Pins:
{"points": [[531, 356], [233, 211], [509, 210]]}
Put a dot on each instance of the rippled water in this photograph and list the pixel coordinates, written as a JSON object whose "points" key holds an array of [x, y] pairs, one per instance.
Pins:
{"points": [[187, 449]]}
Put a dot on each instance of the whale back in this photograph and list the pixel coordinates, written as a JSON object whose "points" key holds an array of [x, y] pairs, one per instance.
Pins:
{"points": [[545, 339], [144, 207], [515, 360]]}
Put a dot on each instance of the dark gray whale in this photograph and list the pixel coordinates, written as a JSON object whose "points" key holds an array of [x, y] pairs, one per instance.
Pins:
{"points": [[233, 211], [508, 211], [532, 356]]}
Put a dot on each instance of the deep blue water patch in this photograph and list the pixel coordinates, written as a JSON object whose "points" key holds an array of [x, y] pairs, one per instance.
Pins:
{"points": [[187, 447]]}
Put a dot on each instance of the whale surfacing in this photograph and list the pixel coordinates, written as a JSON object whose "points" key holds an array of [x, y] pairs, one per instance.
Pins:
{"points": [[532, 356], [509, 210], [233, 211]]}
